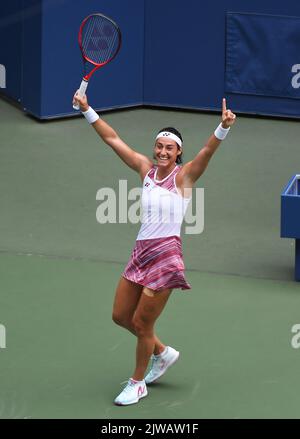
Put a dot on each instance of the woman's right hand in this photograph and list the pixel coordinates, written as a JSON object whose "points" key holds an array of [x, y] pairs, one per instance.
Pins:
{"points": [[81, 101]]}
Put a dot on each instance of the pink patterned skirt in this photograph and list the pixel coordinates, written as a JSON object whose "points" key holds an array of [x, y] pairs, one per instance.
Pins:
{"points": [[157, 264]]}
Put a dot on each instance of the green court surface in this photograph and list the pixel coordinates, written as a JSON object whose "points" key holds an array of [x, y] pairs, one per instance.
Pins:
{"points": [[64, 357]]}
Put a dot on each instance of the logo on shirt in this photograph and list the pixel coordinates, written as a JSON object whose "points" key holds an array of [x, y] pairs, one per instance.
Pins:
{"points": [[147, 184]]}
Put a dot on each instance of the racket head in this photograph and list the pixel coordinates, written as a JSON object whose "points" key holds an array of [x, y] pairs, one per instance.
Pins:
{"points": [[99, 40]]}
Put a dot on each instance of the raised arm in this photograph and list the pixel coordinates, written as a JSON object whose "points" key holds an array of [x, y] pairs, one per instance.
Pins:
{"points": [[192, 170], [133, 159]]}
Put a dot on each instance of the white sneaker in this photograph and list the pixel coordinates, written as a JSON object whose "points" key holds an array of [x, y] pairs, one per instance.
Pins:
{"points": [[160, 364], [132, 393]]}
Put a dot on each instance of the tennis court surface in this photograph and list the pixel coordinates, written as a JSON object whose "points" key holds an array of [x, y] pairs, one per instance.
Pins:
{"points": [[64, 357]]}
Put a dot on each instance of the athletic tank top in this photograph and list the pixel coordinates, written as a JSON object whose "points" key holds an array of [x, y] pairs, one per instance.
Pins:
{"points": [[163, 206]]}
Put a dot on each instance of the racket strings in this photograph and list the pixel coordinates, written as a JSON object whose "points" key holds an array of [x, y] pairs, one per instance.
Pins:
{"points": [[100, 40]]}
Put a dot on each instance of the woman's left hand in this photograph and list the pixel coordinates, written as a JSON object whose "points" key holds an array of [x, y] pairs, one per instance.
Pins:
{"points": [[228, 118]]}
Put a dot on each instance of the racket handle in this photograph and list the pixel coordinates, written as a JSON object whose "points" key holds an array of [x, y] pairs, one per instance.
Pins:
{"points": [[81, 92]]}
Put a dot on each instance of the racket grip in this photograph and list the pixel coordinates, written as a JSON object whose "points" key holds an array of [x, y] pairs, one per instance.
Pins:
{"points": [[81, 92]]}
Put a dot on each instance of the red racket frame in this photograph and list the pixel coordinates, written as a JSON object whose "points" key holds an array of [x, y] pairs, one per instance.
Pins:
{"points": [[87, 77]]}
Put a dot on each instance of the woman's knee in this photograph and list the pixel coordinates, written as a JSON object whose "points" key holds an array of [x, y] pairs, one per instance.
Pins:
{"points": [[142, 327], [121, 320]]}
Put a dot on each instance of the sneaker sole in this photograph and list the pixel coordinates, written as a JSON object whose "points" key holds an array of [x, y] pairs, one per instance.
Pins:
{"points": [[133, 402], [169, 365]]}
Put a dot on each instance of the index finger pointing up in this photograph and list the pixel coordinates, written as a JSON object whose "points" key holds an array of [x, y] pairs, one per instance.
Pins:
{"points": [[223, 105]]}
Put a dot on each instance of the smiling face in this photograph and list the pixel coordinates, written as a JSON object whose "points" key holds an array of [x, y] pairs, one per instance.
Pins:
{"points": [[166, 151]]}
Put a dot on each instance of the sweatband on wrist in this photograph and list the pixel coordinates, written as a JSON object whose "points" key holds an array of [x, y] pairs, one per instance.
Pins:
{"points": [[221, 132], [90, 115]]}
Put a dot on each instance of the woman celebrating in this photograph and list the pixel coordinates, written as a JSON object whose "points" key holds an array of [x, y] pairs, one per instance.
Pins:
{"points": [[156, 266]]}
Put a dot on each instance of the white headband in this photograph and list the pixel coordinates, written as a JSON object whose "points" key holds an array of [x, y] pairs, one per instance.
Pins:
{"points": [[170, 136]]}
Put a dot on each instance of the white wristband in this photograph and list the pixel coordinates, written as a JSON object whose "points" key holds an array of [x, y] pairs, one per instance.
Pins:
{"points": [[221, 132], [90, 115]]}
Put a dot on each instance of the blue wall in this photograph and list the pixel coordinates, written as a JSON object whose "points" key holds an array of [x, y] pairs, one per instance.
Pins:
{"points": [[185, 48], [11, 46], [31, 57], [43, 60], [119, 84], [173, 54]]}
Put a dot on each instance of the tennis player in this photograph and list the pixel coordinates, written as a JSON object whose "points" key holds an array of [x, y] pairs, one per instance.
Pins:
{"points": [[156, 265]]}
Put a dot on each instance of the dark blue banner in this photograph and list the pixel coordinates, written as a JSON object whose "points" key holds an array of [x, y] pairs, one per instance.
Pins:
{"points": [[263, 55]]}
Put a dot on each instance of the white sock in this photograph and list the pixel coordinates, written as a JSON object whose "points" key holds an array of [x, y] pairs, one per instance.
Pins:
{"points": [[135, 381]]}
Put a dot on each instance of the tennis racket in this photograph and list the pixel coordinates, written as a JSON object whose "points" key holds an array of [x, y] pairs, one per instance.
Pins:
{"points": [[99, 41]]}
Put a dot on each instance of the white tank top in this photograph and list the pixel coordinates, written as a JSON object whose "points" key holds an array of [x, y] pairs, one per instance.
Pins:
{"points": [[163, 206]]}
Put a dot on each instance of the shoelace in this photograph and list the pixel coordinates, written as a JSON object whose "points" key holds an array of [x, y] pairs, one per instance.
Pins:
{"points": [[154, 362], [128, 386]]}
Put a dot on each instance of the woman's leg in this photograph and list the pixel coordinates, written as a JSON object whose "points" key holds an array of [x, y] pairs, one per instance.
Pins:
{"points": [[126, 301], [149, 308]]}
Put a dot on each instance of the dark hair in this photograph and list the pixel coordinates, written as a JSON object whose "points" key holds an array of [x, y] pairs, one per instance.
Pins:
{"points": [[177, 133]]}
